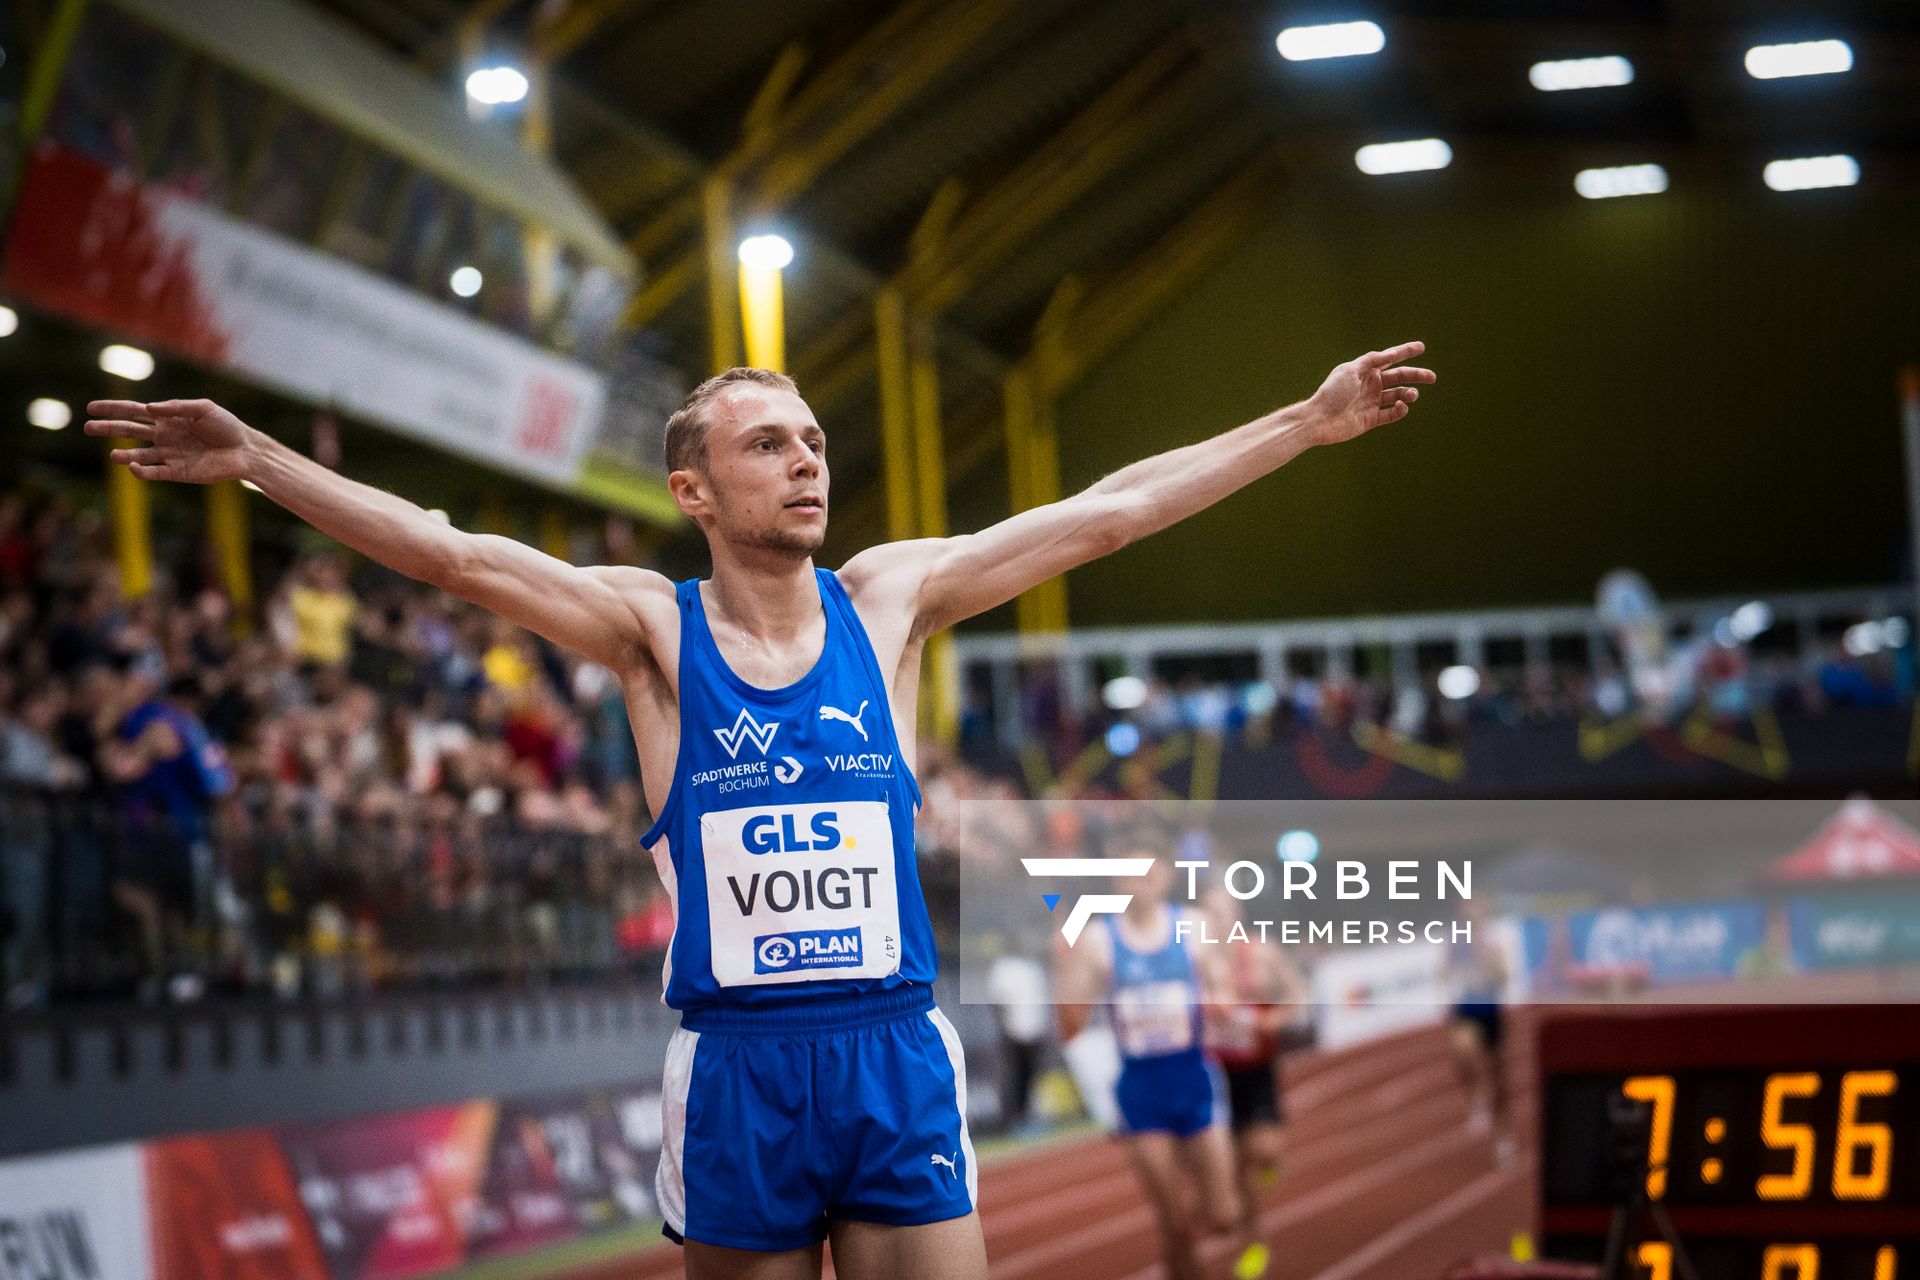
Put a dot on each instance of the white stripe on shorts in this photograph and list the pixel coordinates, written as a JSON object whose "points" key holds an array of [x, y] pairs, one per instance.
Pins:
{"points": [[670, 1180], [951, 1039]]}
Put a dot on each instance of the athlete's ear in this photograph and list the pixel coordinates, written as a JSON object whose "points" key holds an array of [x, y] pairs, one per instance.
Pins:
{"points": [[691, 490]]}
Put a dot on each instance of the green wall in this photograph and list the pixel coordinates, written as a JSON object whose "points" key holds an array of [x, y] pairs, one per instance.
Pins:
{"points": [[1697, 385]]}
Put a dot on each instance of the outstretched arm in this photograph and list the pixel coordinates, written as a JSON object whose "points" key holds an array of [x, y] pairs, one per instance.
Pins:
{"points": [[590, 611], [962, 576]]}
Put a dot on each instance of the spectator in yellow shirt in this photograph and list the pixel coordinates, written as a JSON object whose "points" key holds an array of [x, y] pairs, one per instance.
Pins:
{"points": [[323, 611]]}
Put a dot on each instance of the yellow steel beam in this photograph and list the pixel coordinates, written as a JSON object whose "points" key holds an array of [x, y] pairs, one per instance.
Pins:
{"points": [[763, 311], [1136, 293], [763, 116], [1049, 331], [939, 684], [1079, 326], [840, 378], [853, 69], [930, 233], [556, 533], [1113, 106], [1086, 148], [894, 60], [837, 360], [47, 66], [896, 409], [723, 298], [681, 213], [227, 528], [466, 35], [132, 523], [559, 36], [1050, 597], [832, 348], [660, 291], [866, 512], [1019, 424], [1062, 172], [929, 450], [827, 369], [1045, 606], [882, 73], [542, 248]]}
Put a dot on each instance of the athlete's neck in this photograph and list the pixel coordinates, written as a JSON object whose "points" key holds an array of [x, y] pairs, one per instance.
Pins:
{"points": [[775, 599], [1144, 915]]}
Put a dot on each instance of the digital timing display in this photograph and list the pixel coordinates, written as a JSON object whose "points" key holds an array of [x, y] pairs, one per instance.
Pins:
{"points": [[1827, 1259], [1810, 1136], [1782, 1143]]}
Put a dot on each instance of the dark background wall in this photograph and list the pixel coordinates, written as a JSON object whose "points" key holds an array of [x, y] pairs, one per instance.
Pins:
{"points": [[1700, 385]]}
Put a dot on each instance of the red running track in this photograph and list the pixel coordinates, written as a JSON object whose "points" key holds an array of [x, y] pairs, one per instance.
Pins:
{"points": [[1382, 1181]]}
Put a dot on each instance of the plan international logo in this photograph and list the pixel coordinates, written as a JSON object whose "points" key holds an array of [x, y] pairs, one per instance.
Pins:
{"points": [[746, 728], [1092, 904]]}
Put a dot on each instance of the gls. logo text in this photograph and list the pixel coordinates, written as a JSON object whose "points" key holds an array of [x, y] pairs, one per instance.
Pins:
{"points": [[765, 833]]}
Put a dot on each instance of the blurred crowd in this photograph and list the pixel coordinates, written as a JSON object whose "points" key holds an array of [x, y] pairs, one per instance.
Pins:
{"points": [[378, 786], [363, 784], [1870, 663]]}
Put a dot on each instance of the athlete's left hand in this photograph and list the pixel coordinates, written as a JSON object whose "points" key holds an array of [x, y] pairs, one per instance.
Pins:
{"points": [[1369, 392]]}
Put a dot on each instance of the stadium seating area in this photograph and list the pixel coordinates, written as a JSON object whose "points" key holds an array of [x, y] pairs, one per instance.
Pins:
{"points": [[378, 786]]}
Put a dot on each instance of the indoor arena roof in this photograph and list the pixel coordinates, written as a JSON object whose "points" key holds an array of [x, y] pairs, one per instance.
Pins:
{"points": [[1019, 144]]}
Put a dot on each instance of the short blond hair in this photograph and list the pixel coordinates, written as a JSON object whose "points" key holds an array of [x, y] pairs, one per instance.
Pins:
{"points": [[687, 428]]}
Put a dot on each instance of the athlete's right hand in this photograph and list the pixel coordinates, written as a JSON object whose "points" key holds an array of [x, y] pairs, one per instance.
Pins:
{"points": [[191, 441]]}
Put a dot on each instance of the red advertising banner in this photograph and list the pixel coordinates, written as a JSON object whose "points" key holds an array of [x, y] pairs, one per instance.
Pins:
{"points": [[158, 266], [389, 1197], [525, 1201], [224, 1207], [394, 1197], [593, 1154]]}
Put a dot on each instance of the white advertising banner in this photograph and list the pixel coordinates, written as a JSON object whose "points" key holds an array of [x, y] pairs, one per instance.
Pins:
{"points": [[182, 276], [77, 1214], [1369, 992]]}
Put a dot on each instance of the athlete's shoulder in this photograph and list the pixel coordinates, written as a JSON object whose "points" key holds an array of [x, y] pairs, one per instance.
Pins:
{"points": [[887, 565], [643, 588], [650, 595]]}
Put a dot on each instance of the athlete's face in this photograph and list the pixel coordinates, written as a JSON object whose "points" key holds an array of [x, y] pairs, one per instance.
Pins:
{"points": [[765, 482], [1222, 906], [1157, 884]]}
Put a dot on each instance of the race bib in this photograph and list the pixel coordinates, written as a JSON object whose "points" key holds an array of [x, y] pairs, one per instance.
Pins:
{"points": [[801, 892], [1235, 1029], [1153, 1019]]}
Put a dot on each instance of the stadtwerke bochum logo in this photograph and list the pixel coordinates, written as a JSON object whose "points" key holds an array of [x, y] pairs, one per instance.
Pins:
{"points": [[746, 728]]}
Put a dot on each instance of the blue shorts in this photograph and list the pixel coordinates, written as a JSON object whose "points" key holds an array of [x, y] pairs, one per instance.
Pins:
{"points": [[1178, 1093], [778, 1120]]}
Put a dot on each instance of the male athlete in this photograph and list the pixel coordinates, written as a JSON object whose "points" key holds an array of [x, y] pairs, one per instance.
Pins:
{"points": [[1477, 969], [1156, 977], [812, 1090], [1266, 994]]}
